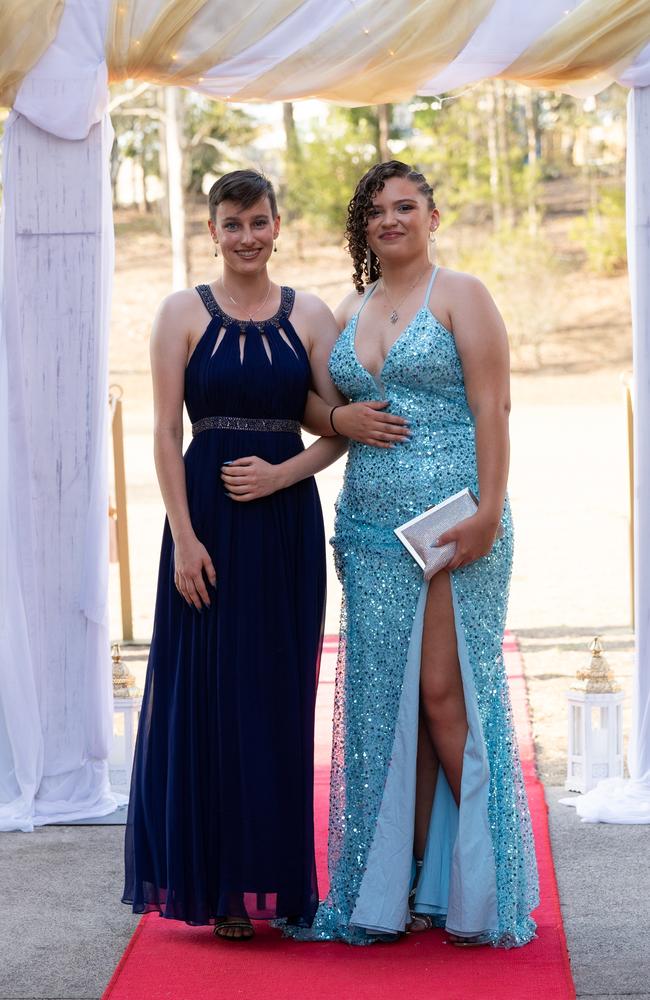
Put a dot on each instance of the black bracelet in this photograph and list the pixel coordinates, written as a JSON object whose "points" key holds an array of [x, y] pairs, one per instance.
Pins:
{"points": [[338, 407]]}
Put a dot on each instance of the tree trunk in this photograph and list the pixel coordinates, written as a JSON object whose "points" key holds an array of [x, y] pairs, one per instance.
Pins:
{"points": [[177, 217], [290, 132], [531, 136], [504, 152], [383, 131], [293, 200], [116, 162], [472, 159], [493, 154], [162, 161]]}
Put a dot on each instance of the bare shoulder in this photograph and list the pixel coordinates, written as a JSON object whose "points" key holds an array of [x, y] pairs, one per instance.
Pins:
{"points": [[475, 319], [467, 301], [178, 323], [461, 287], [309, 307], [347, 308], [183, 304]]}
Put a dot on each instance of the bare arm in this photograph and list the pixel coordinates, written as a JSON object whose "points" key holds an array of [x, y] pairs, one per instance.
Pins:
{"points": [[364, 421], [483, 347], [168, 349], [251, 478]]}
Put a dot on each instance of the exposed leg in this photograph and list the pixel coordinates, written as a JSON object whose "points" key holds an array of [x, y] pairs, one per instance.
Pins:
{"points": [[443, 721], [442, 702], [427, 776]]}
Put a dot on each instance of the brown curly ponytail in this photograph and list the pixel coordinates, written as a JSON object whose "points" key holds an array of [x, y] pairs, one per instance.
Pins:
{"points": [[358, 209]]}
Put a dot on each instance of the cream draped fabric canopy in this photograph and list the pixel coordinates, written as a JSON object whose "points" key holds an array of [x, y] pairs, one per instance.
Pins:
{"points": [[349, 51]]}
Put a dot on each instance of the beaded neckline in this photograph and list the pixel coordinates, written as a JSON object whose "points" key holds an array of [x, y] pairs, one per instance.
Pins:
{"points": [[287, 296]]}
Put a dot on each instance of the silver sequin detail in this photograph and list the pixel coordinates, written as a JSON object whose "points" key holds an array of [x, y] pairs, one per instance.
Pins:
{"points": [[245, 424]]}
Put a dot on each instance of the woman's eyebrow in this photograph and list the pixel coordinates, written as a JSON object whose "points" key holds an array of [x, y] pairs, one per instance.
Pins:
{"points": [[398, 201], [237, 218]]}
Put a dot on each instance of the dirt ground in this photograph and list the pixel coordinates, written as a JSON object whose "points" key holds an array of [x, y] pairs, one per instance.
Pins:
{"points": [[568, 482]]}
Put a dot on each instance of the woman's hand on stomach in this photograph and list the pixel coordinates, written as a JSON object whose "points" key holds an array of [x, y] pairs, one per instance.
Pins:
{"points": [[251, 478], [368, 423]]}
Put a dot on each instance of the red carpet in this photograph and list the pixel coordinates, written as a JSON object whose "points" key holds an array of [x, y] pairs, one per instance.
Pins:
{"points": [[166, 960]]}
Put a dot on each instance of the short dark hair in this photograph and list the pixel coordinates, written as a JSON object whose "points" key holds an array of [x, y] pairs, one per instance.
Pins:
{"points": [[244, 187]]}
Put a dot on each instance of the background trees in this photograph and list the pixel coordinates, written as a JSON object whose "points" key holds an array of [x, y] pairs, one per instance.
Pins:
{"points": [[530, 184]]}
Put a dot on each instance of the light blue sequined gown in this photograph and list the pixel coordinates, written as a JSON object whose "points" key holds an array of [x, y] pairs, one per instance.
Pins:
{"points": [[479, 868]]}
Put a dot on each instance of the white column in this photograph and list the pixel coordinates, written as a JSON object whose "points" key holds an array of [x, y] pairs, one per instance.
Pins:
{"points": [[638, 236], [619, 801], [57, 247]]}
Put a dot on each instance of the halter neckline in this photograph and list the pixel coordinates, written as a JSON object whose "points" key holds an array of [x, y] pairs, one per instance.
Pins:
{"points": [[287, 298]]}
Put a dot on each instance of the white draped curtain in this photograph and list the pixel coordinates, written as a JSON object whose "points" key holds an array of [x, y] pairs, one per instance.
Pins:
{"points": [[55, 685]]}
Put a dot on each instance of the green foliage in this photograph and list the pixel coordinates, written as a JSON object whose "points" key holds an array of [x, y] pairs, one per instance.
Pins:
{"points": [[448, 146], [601, 233], [320, 183], [218, 138]]}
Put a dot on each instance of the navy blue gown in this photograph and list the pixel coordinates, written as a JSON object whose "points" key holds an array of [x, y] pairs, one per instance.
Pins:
{"points": [[220, 817]]}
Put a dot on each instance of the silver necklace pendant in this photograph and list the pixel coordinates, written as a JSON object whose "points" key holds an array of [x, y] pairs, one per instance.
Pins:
{"points": [[393, 317]]}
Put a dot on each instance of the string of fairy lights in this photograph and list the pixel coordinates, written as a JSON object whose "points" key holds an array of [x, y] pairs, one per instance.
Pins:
{"points": [[435, 102]]}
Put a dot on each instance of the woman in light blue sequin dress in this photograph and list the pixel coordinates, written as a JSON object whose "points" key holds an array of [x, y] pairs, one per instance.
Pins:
{"points": [[429, 822]]}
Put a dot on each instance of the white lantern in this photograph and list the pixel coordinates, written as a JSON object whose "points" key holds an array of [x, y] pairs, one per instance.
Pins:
{"points": [[127, 702], [595, 725]]}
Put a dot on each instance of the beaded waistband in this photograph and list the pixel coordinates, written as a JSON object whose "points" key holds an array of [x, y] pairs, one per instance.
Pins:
{"points": [[245, 424]]}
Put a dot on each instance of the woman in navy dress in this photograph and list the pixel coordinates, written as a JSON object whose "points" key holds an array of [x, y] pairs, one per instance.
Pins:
{"points": [[220, 823]]}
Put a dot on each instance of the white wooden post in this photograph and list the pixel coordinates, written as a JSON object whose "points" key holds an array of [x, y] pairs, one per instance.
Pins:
{"points": [[58, 254], [621, 801], [638, 234]]}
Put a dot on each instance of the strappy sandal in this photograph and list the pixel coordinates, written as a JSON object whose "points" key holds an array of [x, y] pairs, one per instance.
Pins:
{"points": [[419, 922], [475, 941], [225, 924]]}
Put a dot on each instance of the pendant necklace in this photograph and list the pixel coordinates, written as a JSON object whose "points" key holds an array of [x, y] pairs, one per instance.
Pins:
{"points": [[260, 306], [394, 316]]}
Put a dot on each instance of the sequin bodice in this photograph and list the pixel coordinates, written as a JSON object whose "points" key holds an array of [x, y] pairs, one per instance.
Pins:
{"points": [[422, 378]]}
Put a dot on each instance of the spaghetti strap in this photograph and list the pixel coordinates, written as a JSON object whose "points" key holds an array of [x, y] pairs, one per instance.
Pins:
{"points": [[369, 293], [430, 286]]}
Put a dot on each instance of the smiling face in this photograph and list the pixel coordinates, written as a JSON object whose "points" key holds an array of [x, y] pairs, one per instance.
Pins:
{"points": [[245, 235], [400, 221]]}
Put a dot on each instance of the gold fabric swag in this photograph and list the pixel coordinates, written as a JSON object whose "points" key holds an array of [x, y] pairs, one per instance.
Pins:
{"points": [[27, 28], [373, 53]]}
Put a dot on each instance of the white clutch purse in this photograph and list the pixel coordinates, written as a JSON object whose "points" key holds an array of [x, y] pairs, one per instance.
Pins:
{"points": [[420, 533]]}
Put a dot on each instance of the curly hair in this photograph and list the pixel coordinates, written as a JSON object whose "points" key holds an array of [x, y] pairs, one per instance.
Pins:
{"points": [[358, 209]]}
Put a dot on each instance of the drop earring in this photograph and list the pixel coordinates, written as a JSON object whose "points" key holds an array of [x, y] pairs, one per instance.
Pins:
{"points": [[216, 250], [275, 246], [431, 243]]}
